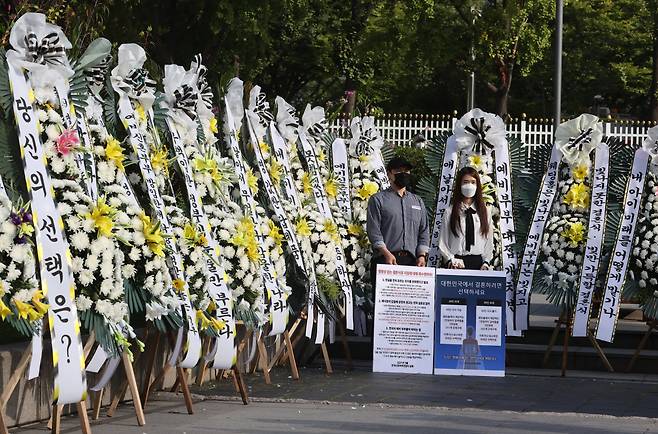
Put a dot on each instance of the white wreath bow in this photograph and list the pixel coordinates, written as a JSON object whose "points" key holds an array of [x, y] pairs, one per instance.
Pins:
{"points": [[479, 131], [576, 138], [129, 78]]}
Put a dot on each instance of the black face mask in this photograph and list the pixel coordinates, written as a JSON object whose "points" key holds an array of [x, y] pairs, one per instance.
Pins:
{"points": [[403, 180]]}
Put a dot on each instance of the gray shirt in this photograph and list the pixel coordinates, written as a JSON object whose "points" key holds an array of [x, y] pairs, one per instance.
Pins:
{"points": [[397, 222]]}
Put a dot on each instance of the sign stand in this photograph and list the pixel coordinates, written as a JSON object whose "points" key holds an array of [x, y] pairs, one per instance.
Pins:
{"points": [[567, 322], [180, 374], [653, 325]]}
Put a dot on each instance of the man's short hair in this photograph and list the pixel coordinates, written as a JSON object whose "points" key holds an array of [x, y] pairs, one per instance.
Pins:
{"points": [[399, 163]]}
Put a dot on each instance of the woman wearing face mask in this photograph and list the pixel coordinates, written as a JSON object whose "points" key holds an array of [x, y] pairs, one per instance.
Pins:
{"points": [[466, 239]]}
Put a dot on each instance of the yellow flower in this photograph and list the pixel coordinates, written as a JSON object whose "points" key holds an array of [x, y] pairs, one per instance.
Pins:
{"points": [[22, 307], [578, 196], [354, 229], [307, 186], [303, 228], [213, 125], [4, 310], [330, 228], [264, 147], [30, 96], [475, 161], [245, 236], [152, 235], [159, 160], [179, 284], [141, 114], [275, 169], [331, 187], [41, 308], [193, 236], [252, 181], [203, 321], [208, 165], [575, 233], [322, 156], [275, 234], [114, 152], [368, 189], [102, 215], [579, 173], [217, 324], [25, 229]]}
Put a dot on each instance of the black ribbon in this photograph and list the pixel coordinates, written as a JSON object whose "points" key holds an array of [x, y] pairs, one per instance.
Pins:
{"points": [[364, 145], [96, 74], [185, 100], [318, 128], [202, 81], [139, 81], [262, 109], [470, 229], [479, 129], [581, 140], [48, 50]]}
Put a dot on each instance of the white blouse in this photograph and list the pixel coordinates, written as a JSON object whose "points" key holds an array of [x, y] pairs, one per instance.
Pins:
{"points": [[451, 245]]}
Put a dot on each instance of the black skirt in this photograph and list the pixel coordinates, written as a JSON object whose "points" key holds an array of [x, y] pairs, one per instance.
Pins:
{"points": [[471, 262]]}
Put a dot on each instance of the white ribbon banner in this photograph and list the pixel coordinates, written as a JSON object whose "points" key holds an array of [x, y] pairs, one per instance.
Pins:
{"points": [[248, 200], [380, 170], [275, 200], [446, 182], [594, 245], [140, 147], [342, 175], [323, 205], [545, 200], [88, 156], [614, 284], [226, 353], [68, 112], [507, 229], [53, 251], [3, 190], [281, 153]]}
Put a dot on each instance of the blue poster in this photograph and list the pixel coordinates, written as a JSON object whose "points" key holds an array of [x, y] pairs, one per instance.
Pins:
{"points": [[469, 337]]}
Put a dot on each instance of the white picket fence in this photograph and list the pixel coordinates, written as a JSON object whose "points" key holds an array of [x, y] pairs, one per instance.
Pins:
{"points": [[413, 129]]}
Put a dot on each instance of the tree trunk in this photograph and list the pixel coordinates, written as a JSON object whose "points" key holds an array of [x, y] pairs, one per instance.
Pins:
{"points": [[501, 90], [653, 92]]}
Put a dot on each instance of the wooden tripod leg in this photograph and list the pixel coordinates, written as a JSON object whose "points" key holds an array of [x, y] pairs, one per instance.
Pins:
{"points": [[134, 390], [551, 343], [15, 377], [565, 347], [291, 356], [241, 386], [325, 355], [55, 419], [201, 373], [117, 398], [3, 425], [262, 360], [97, 403], [640, 347], [600, 352], [186, 390], [346, 347], [149, 368], [84, 420]]}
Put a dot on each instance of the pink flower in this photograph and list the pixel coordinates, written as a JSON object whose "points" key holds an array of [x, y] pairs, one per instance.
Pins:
{"points": [[67, 141]]}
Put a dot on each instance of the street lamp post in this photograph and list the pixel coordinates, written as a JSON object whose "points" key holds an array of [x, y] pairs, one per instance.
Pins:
{"points": [[557, 79]]}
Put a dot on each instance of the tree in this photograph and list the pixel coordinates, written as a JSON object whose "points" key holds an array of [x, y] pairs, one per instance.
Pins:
{"points": [[652, 7], [508, 33]]}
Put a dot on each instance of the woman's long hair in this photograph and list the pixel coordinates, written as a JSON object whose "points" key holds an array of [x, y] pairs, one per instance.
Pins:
{"points": [[458, 197]]}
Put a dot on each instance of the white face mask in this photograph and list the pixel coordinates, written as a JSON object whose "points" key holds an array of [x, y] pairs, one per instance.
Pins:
{"points": [[468, 190]]}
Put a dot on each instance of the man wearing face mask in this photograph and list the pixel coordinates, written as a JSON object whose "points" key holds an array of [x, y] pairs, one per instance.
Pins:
{"points": [[397, 221]]}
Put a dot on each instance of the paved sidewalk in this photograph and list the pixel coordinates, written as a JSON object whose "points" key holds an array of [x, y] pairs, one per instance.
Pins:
{"points": [[361, 401]]}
